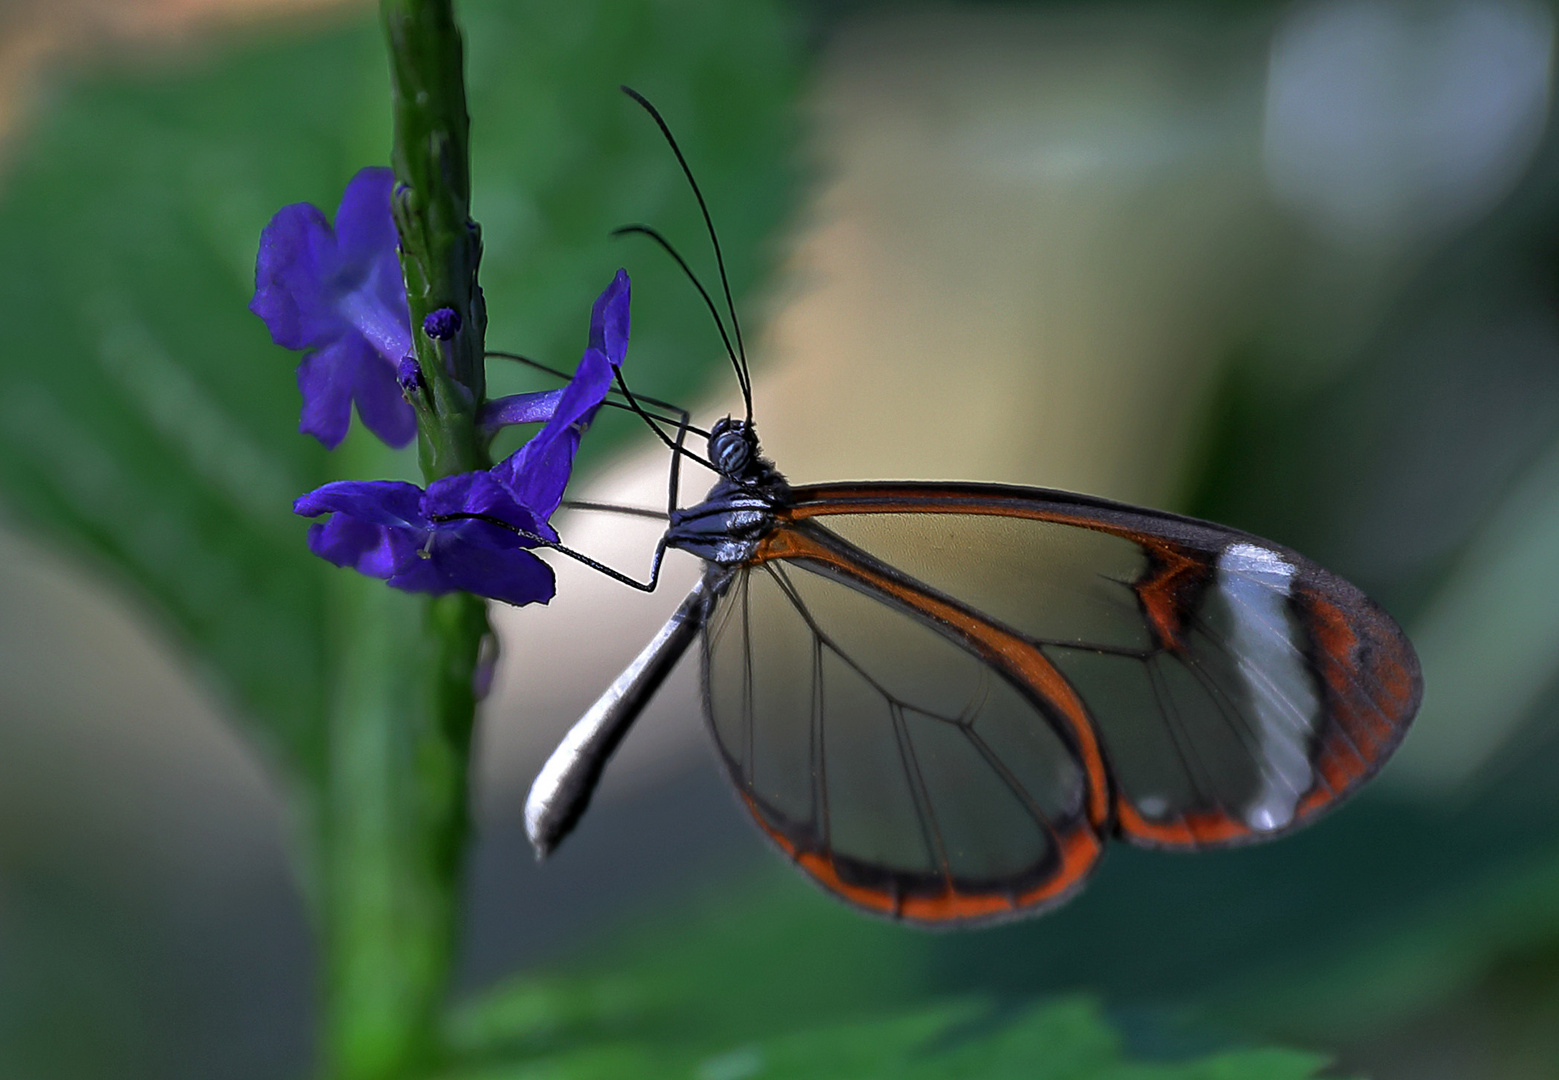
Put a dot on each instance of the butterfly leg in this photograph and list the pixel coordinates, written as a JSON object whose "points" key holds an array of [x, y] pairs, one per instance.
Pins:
{"points": [[673, 487]]}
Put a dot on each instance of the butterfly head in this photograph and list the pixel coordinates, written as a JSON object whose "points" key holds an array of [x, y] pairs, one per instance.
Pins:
{"points": [[733, 448], [733, 451]]}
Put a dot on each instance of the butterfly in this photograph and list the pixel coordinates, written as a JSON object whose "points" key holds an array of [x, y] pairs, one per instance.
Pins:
{"points": [[941, 700]]}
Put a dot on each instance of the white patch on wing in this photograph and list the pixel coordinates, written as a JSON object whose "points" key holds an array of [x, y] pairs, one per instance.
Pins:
{"points": [[1284, 706], [1154, 807]]}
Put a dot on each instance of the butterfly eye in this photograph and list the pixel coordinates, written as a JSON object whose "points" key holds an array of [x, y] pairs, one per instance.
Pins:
{"points": [[730, 447]]}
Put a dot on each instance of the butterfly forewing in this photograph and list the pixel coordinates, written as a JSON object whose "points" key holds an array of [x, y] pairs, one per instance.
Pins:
{"points": [[899, 767], [1235, 688], [1218, 717]]}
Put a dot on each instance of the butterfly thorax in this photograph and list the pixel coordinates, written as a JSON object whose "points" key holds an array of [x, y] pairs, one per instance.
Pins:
{"points": [[739, 510]]}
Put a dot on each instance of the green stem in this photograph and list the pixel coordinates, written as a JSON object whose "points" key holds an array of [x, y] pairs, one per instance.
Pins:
{"points": [[441, 247], [396, 812], [396, 824]]}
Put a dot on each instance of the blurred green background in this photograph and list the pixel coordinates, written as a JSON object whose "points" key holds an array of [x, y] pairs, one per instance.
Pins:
{"points": [[1291, 267]]}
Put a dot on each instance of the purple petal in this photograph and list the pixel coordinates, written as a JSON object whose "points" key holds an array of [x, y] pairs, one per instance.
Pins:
{"points": [[609, 320], [453, 495], [325, 380], [392, 503], [369, 549], [384, 326], [296, 260], [514, 576], [455, 557], [537, 472], [531, 408], [373, 292], [480, 493], [421, 574], [365, 226], [381, 404]]}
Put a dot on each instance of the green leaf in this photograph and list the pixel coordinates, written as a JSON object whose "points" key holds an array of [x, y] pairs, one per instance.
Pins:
{"points": [[1065, 1039], [788, 984]]}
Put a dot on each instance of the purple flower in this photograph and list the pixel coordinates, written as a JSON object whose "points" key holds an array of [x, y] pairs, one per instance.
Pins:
{"points": [[424, 541], [474, 532], [337, 296], [537, 472]]}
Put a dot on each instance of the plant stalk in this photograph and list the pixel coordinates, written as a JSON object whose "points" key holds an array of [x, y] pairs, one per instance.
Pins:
{"points": [[441, 247], [396, 812]]}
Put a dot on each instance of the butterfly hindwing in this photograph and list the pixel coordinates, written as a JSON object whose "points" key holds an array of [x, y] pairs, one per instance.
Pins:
{"points": [[899, 768]]}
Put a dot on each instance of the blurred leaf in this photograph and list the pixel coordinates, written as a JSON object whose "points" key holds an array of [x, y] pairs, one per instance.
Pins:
{"points": [[1489, 640], [535, 1013], [1060, 1040], [738, 964], [149, 424], [1451, 945], [779, 982]]}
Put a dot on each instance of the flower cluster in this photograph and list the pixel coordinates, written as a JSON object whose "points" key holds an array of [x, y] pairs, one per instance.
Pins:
{"points": [[336, 295]]}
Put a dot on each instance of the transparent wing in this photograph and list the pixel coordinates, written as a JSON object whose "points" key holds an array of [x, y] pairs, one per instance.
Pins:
{"points": [[889, 759], [1235, 688]]}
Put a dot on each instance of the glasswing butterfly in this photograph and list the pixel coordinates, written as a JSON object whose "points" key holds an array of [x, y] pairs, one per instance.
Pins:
{"points": [[939, 700]]}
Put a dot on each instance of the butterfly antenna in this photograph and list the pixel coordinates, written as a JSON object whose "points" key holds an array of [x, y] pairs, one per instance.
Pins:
{"points": [[714, 239], [645, 230]]}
